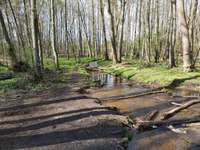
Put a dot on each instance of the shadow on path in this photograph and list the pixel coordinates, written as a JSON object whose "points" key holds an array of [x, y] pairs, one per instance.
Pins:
{"points": [[52, 115], [42, 103], [45, 139], [53, 122]]}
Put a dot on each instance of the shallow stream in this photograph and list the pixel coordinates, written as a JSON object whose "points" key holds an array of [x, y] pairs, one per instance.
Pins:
{"points": [[158, 139]]}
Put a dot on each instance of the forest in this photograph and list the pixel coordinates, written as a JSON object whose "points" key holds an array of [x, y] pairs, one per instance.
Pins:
{"points": [[100, 74]]}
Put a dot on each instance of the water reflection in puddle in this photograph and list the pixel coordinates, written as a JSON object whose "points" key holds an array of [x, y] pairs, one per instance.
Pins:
{"points": [[107, 80]]}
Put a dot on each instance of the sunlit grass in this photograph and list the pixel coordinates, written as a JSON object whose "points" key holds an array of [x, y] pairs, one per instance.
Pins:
{"points": [[3, 68], [134, 70], [24, 81], [160, 74]]}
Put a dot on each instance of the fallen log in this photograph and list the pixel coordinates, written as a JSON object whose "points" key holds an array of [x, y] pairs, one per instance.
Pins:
{"points": [[193, 124], [148, 125], [133, 95], [6, 76], [174, 111], [176, 104], [125, 120]]}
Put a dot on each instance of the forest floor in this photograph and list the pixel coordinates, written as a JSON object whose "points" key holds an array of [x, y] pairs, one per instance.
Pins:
{"points": [[58, 118]]}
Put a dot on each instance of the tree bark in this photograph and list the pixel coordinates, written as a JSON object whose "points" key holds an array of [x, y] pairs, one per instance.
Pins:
{"points": [[11, 50], [35, 38], [186, 46], [106, 55], [114, 35], [53, 35], [174, 111]]}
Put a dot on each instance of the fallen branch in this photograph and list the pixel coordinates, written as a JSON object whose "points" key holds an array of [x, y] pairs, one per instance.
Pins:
{"points": [[152, 124], [133, 95], [176, 104], [6, 76], [193, 124], [174, 111], [125, 120]]}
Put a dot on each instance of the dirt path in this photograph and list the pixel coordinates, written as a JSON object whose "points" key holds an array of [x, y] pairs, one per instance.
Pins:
{"points": [[65, 119], [57, 119]]}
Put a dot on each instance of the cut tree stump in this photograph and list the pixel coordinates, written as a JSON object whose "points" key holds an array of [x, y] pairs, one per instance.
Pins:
{"points": [[174, 111]]}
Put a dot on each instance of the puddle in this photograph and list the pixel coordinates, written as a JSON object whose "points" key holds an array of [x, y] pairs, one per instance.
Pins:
{"points": [[106, 80], [112, 85]]}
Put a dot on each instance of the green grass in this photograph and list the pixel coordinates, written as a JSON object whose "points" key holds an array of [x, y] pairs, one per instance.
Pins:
{"points": [[3, 68], [25, 81], [69, 65], [150, 74], [145, 73]]}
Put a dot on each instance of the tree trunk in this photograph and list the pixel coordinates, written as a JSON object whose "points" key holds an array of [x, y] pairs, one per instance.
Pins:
{"points": [[66, 30], [122, 30], [11, 50], [114, 35], [187, 64], [104, 30], [172, 36], [35, 36], [53, 35]]}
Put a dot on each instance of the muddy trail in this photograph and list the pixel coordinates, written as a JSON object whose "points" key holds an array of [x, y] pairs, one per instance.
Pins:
{"points": [[70, 118]]}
